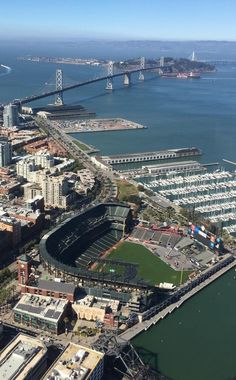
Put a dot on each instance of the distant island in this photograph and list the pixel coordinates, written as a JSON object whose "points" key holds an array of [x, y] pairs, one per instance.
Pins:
{"points": [[69, 61], [179, 65]]}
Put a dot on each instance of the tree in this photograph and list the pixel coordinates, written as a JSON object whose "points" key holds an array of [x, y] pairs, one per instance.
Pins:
{"points": [[73, 323], [133, 198], [13, 290], [66, 321], [140, 187]]}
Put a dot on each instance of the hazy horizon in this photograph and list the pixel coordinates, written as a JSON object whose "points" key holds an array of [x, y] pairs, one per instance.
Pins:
{"points": [[123, 20]]}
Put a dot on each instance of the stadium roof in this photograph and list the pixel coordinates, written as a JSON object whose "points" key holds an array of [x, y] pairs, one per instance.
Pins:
{"points": [[55, 286]]}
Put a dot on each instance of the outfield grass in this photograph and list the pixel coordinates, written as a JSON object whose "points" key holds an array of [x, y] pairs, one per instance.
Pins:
{"points": [[125, 189], [151, 267]]}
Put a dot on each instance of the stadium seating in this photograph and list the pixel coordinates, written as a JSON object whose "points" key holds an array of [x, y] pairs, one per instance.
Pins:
{"points": [[102, 239], [159, 237], [156, 236], [81, 240]]}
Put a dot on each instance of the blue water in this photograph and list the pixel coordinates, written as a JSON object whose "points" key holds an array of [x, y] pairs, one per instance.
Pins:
{"points": [[178, 113], [197, 341]]}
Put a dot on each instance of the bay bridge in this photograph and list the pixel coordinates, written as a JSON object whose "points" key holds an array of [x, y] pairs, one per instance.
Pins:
{"points": [[60, 89]]}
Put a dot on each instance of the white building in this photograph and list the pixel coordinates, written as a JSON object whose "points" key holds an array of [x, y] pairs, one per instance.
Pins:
{"points": [[44, 160], [24, 358], [55, 192], [77, 362], [25, 166]]}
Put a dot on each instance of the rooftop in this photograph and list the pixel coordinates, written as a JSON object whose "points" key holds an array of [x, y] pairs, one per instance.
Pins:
{"points": [[47, 308], [55, 286], [20, 356], [147, 154], [76, 362], [9, 220], [173, 164]]}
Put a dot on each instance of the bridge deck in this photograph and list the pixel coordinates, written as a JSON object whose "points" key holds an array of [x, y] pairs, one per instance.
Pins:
{"points": [[80, 84]]}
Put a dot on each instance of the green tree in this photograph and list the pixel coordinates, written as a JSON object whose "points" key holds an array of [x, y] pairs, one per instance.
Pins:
{"points": [[66, 321]]}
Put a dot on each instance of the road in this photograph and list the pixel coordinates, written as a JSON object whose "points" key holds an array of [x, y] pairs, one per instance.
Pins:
{"points": [[73, 149]]}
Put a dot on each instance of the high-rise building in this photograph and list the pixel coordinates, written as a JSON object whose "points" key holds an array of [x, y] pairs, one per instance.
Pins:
{"points": [[44, 160], [10, 116], [25, 166], [5, 151], [29, 166], [55, 192]]}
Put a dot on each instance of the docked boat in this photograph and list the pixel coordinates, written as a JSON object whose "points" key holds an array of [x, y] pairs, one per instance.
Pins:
{"points": [[182, 75], [194, 74]]}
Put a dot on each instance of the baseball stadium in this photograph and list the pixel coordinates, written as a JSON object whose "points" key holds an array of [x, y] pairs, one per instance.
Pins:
{"points": [[74, 248], [101, 246]]}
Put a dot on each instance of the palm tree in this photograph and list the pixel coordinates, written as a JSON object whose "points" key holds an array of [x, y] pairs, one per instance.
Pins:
{"points": [[73, 323], [13, 289], [66, 321]]}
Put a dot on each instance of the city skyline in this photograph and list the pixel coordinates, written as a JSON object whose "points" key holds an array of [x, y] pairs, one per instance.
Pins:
{"points": [[127, 20]]}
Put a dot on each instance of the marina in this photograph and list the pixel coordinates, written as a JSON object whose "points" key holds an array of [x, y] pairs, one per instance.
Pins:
{"points": [[213, 195]]}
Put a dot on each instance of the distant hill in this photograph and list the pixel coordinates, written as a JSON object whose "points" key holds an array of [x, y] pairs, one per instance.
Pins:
{"points": [[176, 65]]}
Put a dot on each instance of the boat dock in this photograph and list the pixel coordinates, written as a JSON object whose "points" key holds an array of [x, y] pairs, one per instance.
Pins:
{"points": [[213, 194], [151, 156], [149, 171], [179, 297]]}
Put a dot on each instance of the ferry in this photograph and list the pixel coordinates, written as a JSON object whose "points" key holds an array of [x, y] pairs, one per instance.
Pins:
{"points": [[182, 75], [194, 74]]}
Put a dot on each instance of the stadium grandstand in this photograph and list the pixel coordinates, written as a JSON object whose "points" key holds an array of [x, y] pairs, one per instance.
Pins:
{"points": [[72, 248], [166, 238]]}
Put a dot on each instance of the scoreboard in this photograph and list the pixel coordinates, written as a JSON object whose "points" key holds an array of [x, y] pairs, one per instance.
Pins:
{"points": [[206, 238]]}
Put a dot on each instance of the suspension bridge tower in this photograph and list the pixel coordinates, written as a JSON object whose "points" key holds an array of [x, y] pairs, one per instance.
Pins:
{"points": [[59, 86], [142, 67], [110, 73]]}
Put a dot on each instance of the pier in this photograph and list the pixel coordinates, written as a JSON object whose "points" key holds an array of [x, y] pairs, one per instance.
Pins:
{"points": [[151, 156], [159, 312], [164, 168], [99, 125]]}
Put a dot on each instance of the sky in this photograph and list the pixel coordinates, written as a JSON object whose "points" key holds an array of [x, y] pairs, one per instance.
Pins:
{"points": [[119, 19]]}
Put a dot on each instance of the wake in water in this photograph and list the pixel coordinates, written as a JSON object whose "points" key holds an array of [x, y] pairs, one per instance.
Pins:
{"points": [[7, 70]]}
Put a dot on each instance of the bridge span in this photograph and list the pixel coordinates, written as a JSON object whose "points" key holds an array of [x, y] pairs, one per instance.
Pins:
{"points": [[60, 90]]}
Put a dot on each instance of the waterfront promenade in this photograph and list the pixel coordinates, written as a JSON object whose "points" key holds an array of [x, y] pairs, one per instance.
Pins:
{"points": [[145, 325]]}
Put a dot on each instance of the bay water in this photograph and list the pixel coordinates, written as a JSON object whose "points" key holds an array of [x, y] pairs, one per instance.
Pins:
{"points": [[198, 340]]}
